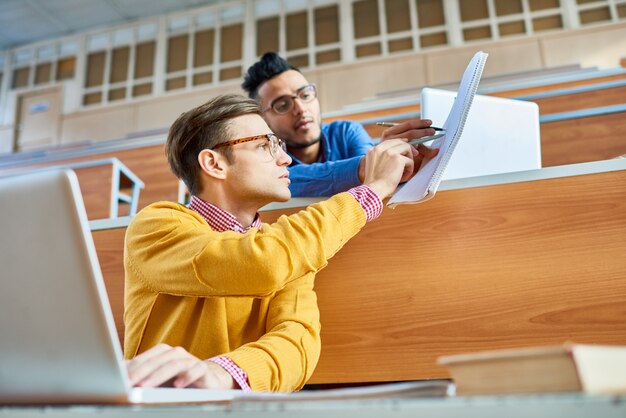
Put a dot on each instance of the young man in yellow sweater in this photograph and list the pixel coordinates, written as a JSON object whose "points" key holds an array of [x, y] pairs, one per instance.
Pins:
{"points": [[213, 297]]}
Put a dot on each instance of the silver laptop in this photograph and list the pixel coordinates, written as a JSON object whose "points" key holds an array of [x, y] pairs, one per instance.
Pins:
{"points": [[58, 341], [500, 135]]}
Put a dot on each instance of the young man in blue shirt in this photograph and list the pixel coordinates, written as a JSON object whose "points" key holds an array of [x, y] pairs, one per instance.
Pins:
{"points": [[327, 158]]}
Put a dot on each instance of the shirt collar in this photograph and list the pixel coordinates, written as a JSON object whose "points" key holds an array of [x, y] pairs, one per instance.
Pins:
{"points": [[218, 219]]}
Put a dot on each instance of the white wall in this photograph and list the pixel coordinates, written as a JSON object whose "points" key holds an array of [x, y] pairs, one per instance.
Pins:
{"points": [[6, 139]]}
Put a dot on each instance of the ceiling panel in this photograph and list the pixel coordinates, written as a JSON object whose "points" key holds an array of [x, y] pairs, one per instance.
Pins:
{"points": [[27, 21]]}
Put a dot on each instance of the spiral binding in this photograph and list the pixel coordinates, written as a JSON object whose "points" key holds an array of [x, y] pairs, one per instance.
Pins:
{"points": [[473, 87]]}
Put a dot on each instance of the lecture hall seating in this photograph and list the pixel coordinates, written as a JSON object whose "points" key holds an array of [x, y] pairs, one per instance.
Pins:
{"points": [[108, 187], [148, 163]]}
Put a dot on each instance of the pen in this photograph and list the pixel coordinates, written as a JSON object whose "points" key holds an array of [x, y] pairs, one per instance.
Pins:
{"points": [[425, 139], [394, 124]]}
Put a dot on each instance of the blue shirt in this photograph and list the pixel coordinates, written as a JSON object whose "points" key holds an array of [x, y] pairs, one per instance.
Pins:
{"points": [[343, 144]]}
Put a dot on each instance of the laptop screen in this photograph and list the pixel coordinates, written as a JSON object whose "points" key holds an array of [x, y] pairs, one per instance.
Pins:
{"points": [[500, 135], [59, 343]]}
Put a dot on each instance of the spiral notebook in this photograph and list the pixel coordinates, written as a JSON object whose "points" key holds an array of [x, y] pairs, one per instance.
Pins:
{"points": [[425, 183]]}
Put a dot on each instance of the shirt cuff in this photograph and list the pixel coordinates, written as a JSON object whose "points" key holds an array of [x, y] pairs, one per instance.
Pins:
{"points": [[369, 201], [237, 373]]}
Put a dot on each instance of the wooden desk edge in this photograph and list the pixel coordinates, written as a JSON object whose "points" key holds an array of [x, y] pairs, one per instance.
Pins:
{"points": [[594, 167]]}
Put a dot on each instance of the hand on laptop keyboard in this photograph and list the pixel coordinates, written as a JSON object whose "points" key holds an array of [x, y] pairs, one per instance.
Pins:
{"points": [[163, 365]]}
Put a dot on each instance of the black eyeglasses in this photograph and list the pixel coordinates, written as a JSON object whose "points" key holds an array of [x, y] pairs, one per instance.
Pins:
{"points": [[284, 104], [274, 141]]}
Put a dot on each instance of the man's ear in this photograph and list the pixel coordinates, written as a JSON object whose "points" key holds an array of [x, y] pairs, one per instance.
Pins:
{"points": [[213, 163]]}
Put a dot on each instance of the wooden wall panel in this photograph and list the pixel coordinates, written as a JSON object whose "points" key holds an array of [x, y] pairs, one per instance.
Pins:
{"points": [[558, 86], [377, 113], [110, 248], [581, 101], [476, 269], [580, 140]]}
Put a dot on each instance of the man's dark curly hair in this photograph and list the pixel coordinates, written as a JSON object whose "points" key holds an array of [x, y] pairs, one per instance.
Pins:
{"points": [[269, 66]]}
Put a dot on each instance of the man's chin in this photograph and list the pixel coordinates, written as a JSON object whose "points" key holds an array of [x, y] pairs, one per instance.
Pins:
{"points": [[301, 143], [284, 197]]}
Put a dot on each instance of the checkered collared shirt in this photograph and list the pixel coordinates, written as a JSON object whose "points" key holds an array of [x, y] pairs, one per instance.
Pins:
{"points": [[219, 220]]}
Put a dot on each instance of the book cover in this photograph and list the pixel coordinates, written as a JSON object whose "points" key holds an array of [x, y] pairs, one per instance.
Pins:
{"points": [[596, 369]]}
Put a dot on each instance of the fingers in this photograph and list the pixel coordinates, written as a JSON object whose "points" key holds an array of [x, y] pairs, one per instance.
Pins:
{"points": [[160, 364], [421, 152], [139, 367], [164, 364], [408, 171], [427, 152], [396, 145], [412, 129], [414, 134], [386, 164], [409, 125], [194, 374]]}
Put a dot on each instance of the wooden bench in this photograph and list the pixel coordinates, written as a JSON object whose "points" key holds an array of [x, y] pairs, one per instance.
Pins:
{"points": [[523, 91], [501, 261], [585, 125], [587, 97], [411, 104], [561, 144], [570, 140]]}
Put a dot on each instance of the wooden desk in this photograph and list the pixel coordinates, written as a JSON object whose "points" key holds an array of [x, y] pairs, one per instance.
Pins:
{"points": [[510, 260], [544, 406]]}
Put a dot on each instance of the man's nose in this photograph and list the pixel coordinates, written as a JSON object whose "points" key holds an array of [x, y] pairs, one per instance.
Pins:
{"points": [[298, 106], [282, 158]]}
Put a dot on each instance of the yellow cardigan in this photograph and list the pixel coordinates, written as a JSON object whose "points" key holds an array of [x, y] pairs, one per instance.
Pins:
{"points": [[246, 296]]}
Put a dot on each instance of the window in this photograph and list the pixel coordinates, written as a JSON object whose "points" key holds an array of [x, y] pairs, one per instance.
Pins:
{"points": [[493, 19], [46, 64], [305, 32], [590, 12], [208, 47], [20, 77], [327, 34], [177, 50], [231, 51], [267, 35], [431, 22], [43, 73], [119, 65], [66, 68], [297, 31], [398, 21], [366, 26], [144, 68], [95, 69]]}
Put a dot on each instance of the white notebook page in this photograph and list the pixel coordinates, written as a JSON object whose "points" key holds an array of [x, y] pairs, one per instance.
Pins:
{"points": [[425, 183]]}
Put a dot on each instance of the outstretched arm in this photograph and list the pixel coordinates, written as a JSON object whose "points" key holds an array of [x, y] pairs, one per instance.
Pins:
{"points": [[341, 171], [324, 179], [175, 252]]}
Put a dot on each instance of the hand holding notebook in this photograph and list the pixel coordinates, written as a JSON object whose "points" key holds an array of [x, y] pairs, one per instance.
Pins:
{"points": [[424, 184]]}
